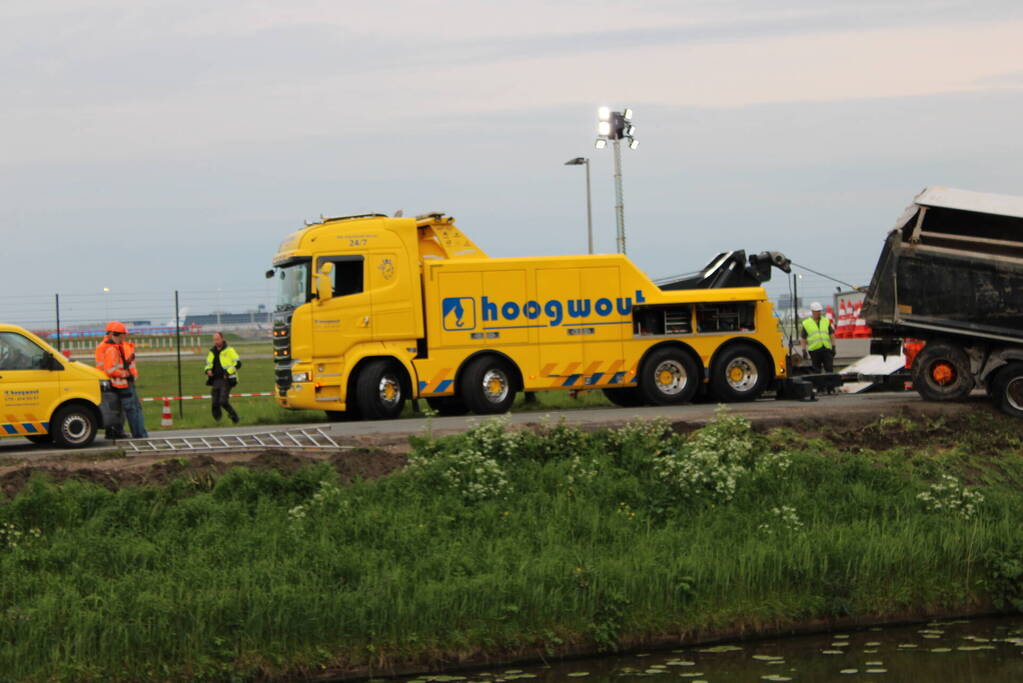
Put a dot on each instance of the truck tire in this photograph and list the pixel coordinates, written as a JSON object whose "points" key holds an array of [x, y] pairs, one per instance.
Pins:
{"points": [[739, 373], [486, 386], [941, 372], [447, 405], [73, 426], [1007, 389], [380, 390], [668, 376], [625, 397]]}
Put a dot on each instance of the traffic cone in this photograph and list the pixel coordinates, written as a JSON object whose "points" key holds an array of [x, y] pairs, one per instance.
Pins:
{"points": [[861, 329], [842, 329], [829, 312], [167, 419]]}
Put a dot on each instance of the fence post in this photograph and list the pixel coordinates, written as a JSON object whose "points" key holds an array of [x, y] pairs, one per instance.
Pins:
{"points": [[177, 336]]}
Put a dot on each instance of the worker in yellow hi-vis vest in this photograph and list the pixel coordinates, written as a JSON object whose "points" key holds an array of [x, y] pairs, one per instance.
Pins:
{"points": [[819, 339]]}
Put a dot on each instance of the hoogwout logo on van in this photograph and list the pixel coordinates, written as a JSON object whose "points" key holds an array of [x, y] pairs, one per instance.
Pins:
{"points": [[460, 312]]}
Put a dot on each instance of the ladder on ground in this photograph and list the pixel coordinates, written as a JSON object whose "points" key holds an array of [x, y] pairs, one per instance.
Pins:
{"points": [[312, 439]]}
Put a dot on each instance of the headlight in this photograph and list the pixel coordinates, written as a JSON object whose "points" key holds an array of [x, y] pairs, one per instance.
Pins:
{"points": [[300, 377]]}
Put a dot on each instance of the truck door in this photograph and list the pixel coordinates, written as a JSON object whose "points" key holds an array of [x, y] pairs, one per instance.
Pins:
{"points": [[393, 301], [28, 393], [342, 321], [581, 344], [603, 330]]}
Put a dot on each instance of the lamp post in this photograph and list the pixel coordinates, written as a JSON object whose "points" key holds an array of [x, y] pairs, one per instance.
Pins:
{"points": [[614, 126], [583, 161], [106, 304]]}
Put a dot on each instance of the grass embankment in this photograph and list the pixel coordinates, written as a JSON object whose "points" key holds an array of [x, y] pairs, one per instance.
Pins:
{"points": [[158, 376], [497, 544]]}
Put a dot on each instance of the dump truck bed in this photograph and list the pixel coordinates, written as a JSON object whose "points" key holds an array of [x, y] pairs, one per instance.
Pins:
{"points": [[952, 266]]}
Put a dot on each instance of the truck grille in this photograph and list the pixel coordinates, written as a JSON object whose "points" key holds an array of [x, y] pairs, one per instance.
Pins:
{"points": [[282, 350]]}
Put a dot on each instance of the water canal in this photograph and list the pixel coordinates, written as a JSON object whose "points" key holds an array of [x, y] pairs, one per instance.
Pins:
{"points": [[975, 651]]}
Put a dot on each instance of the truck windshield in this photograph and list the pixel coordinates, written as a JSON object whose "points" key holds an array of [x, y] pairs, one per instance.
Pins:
{"points": [[292, 285]]}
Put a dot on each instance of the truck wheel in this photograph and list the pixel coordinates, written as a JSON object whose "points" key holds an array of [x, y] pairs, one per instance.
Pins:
{"points": [[669, 376], [73, 426], [379, 390], [487, 386], [740, 373], [1007, 389], [941, 372], [447, 405], [625, 397]]}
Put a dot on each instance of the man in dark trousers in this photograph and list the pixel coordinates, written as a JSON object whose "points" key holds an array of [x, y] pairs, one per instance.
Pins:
{"points": [[819, 339], [222, 365]]}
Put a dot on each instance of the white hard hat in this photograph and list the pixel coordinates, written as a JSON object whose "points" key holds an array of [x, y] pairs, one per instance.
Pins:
{"points": [[816, 306]]}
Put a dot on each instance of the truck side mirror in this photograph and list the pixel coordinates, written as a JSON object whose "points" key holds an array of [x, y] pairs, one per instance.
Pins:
{"points": [[325, 283]]}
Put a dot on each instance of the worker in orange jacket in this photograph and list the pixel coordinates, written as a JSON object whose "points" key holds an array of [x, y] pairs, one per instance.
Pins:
{"points": [[113, 416], [119, 366]]}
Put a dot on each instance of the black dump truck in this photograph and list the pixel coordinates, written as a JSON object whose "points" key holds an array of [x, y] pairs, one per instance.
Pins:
{"points": [[951, 275]]}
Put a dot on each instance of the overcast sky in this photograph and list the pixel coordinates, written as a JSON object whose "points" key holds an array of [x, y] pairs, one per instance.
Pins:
{"points": [[148, 146]]}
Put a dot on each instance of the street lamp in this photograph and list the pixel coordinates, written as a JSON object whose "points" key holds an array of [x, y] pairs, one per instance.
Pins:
{"points": [[614, 126], [583, 161]]}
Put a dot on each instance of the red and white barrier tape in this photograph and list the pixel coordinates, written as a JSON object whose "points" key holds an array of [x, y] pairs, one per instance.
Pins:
{"points": [[188, 398]]}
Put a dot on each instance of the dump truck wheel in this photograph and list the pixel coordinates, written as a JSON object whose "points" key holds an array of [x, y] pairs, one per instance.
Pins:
{"points": [[668, 376], [625, 397], [380, 392], [447, 405], [1007, 389], [739, 373], [73, 426], [941, 372], [487, 387]]}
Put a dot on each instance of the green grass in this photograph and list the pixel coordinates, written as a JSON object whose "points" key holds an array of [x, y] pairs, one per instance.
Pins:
{"points": [[500, 544], [158, 376]]}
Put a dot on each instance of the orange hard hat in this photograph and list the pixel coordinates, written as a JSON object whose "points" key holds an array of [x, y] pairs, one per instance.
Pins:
{"points": [[115, 326]]}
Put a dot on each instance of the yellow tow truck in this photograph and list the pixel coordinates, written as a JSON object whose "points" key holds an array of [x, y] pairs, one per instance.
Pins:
{"points": [[374, 310], [45, 397]]}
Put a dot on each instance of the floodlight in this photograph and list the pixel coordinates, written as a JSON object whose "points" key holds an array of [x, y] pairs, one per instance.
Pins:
{"points": [[630, 130], [633, 144], [627, 114], [604, 128], [601, 143], [604, 114]]}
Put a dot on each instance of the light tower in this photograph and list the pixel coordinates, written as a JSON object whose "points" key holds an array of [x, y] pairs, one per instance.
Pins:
{"points": [[615, 126]]}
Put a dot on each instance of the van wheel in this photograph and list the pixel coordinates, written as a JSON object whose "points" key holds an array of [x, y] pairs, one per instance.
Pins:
{"points": [[740, 373], [624, 397], [487, 386], [40, 438], [380, 393], [447, 405], [668, 377], [941, 372], [1007, 389], [73, 426]]}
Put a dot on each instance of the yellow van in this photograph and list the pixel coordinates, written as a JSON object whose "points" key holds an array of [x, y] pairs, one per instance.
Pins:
{"points": [[45, 397]]}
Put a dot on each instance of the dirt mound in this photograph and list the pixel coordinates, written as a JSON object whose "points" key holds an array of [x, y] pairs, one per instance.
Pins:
{"points": [[983, 431], [114, 474]]}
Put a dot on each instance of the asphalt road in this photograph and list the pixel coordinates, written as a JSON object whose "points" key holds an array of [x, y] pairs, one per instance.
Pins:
{"points": [[840, 406]]}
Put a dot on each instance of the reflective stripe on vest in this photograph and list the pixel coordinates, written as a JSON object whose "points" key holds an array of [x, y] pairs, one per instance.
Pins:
{"points": [[818, 335]]}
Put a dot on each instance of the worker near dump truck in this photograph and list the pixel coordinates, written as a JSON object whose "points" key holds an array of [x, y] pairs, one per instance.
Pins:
{"points": [[119, 366], [819, 339], [113, 417], [222, 363]]}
